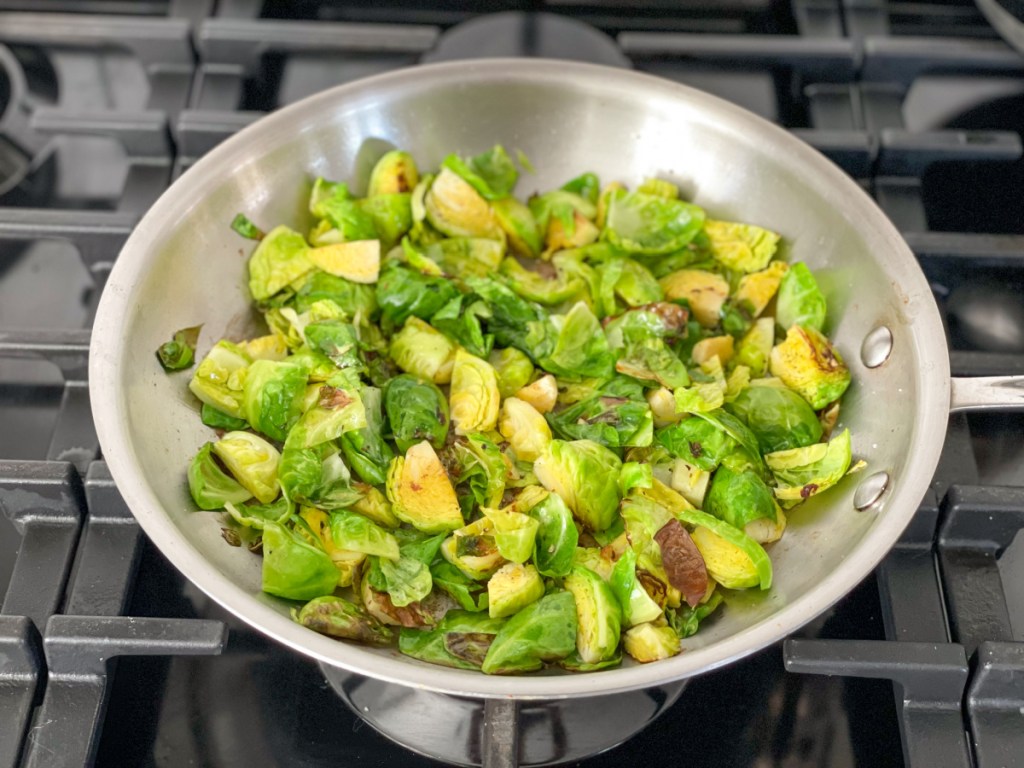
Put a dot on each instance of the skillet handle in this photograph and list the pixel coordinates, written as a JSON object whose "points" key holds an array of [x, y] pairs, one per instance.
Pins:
{"points": [[984, 393], [501, 734]]}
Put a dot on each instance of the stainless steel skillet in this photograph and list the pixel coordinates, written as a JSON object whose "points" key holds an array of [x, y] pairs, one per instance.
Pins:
{"points": [[184, 266]]}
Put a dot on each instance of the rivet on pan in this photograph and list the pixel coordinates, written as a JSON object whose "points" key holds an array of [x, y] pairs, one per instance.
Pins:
{"points": [[870, 491], [877, 347]]}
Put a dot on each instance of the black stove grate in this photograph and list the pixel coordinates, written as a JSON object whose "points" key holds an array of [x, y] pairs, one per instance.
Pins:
{"points": [[179, 76]]}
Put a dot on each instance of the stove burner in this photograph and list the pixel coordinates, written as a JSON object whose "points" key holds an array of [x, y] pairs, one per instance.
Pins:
{"points": [[1007, 16], [988, 316], [515, 33]]}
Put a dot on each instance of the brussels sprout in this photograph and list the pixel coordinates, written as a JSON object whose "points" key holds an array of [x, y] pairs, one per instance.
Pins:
{"points": [[511, 588], [519, 225], [541, 394], [612, 189], [469, 594], [697, 442], [293, 568], [713, 346], [460, 640], [828, 418], [356, 260], [323, 191], [422, 613], [391, 215], [421, 493], [394, 173], [741, 247], [650, 224], [417, 410], [765, 530], [800, 300], [402, 293], [338, 617], [647, 642], [272, 397], [524, 428], [407, 580], [474, 394], [563, 206], [557, 537], [212, 417], [490, 173], [690, 481], [727, 563], [636, 286], [252, 461], [463, 325], [513, 369], [539, 287], [803, 472], [756, 290], [210, 486], [352, 531], [701, 397], [685, 620], [560, 236], [705, 292], [346, 221], [258, 515], [598, 615], [273, 346], [374, 505], [610, 420], [747, 455], [542, 631], [756, 346], [315, 475], [281, 258], [514, 533], [515, 322], [597, 560], [465, 256], [739, 498], [455, 208], [365, 449], [637, 604], [337, 410], [243, 226], [179, 353], [778, 416], [220, 378], [651, 360], [359, 300], [635, 475], [420, 350], [659, 188], [483, 467], [473, 550], [585, 474], [586, 185], [662, 403], [581, 348], [808, 363]]}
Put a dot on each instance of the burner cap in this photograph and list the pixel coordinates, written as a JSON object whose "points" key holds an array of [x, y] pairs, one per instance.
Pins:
{"points": [[515, 33]]}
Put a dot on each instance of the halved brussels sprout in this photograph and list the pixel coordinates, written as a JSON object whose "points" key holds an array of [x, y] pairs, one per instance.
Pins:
{"points": [[210, 486], [220, 378], [338, 617], [293, 568], [253, 463], [557, 537], [637, 604], [739, 498], [521, 228], [417, 410], [352, 531], [690, 481], [713, 346], [482, 466], [465, 256], [705, 292], [800, 301], [779, 417], [659, 188], [741, 247], [357, 260], [647, 642], [755, 348], [281, 258], [421, 493], [490, 173], [338, 409], [651, 224], [539, 287], [524, 428], [756, 290], [458, 210], [598, 615], [541, 394], [423, 351], [474, 397], [561, 236], [179, 353], [727, 563], [581, 349], [460, 640], [766, 529], [512, 588], [391, 215], [585, 474], [513, 369], [662, 403], [273, 394], [375, 506], [473, 550], [394, 173], [697, 441], [542, 631], [808, 363], [804, 472], [514, 533], [402, 293]]}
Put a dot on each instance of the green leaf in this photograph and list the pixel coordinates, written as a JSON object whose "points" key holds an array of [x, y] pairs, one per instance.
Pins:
{"points": [[352, 531], [490, 173], [417, 410], [542, 631], [557, 537], [217, 419], [581, 349], [800, 301], [407, 580], [210, 486], [293, 568], [243, 226], [179, 353], [650, 224]]}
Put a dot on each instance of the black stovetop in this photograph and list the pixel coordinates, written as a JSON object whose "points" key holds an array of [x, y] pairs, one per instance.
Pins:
{"points": [[109, 100]]}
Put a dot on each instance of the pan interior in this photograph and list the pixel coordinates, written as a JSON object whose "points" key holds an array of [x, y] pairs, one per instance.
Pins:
{"points": [[184, 266]]}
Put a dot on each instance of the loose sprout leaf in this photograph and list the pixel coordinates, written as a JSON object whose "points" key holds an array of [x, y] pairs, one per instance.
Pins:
{"points": [[740, 247], [805, 472], [217, 419], [407, 580], [778, 416], [211, 487], [490, 173], [586, 185], [524, 162], [293, 568], [739, 498], [650, 224], [179, 353], [800, 300], [244, 226], [543, 631], [586, 475], [685, 620], [556, 539], [337, 617], [280, 259], [417, 410], [581, 348]]}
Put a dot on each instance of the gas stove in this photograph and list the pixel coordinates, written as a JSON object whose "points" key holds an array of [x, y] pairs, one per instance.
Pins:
{"points": [[109, 658]]}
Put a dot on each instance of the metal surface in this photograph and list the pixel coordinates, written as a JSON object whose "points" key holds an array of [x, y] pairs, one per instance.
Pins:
{"points": [[877, 347], [995, 705], [501, 732], [1004, 393], [20, 672], [729, 161], [870, 491], [1007, 24]]}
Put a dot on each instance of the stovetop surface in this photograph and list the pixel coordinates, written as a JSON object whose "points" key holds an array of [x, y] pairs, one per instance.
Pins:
{"points": [[921, 102]]}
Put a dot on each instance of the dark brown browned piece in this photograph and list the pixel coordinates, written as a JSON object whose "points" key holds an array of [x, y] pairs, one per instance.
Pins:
{"points": [[683, 562]]}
